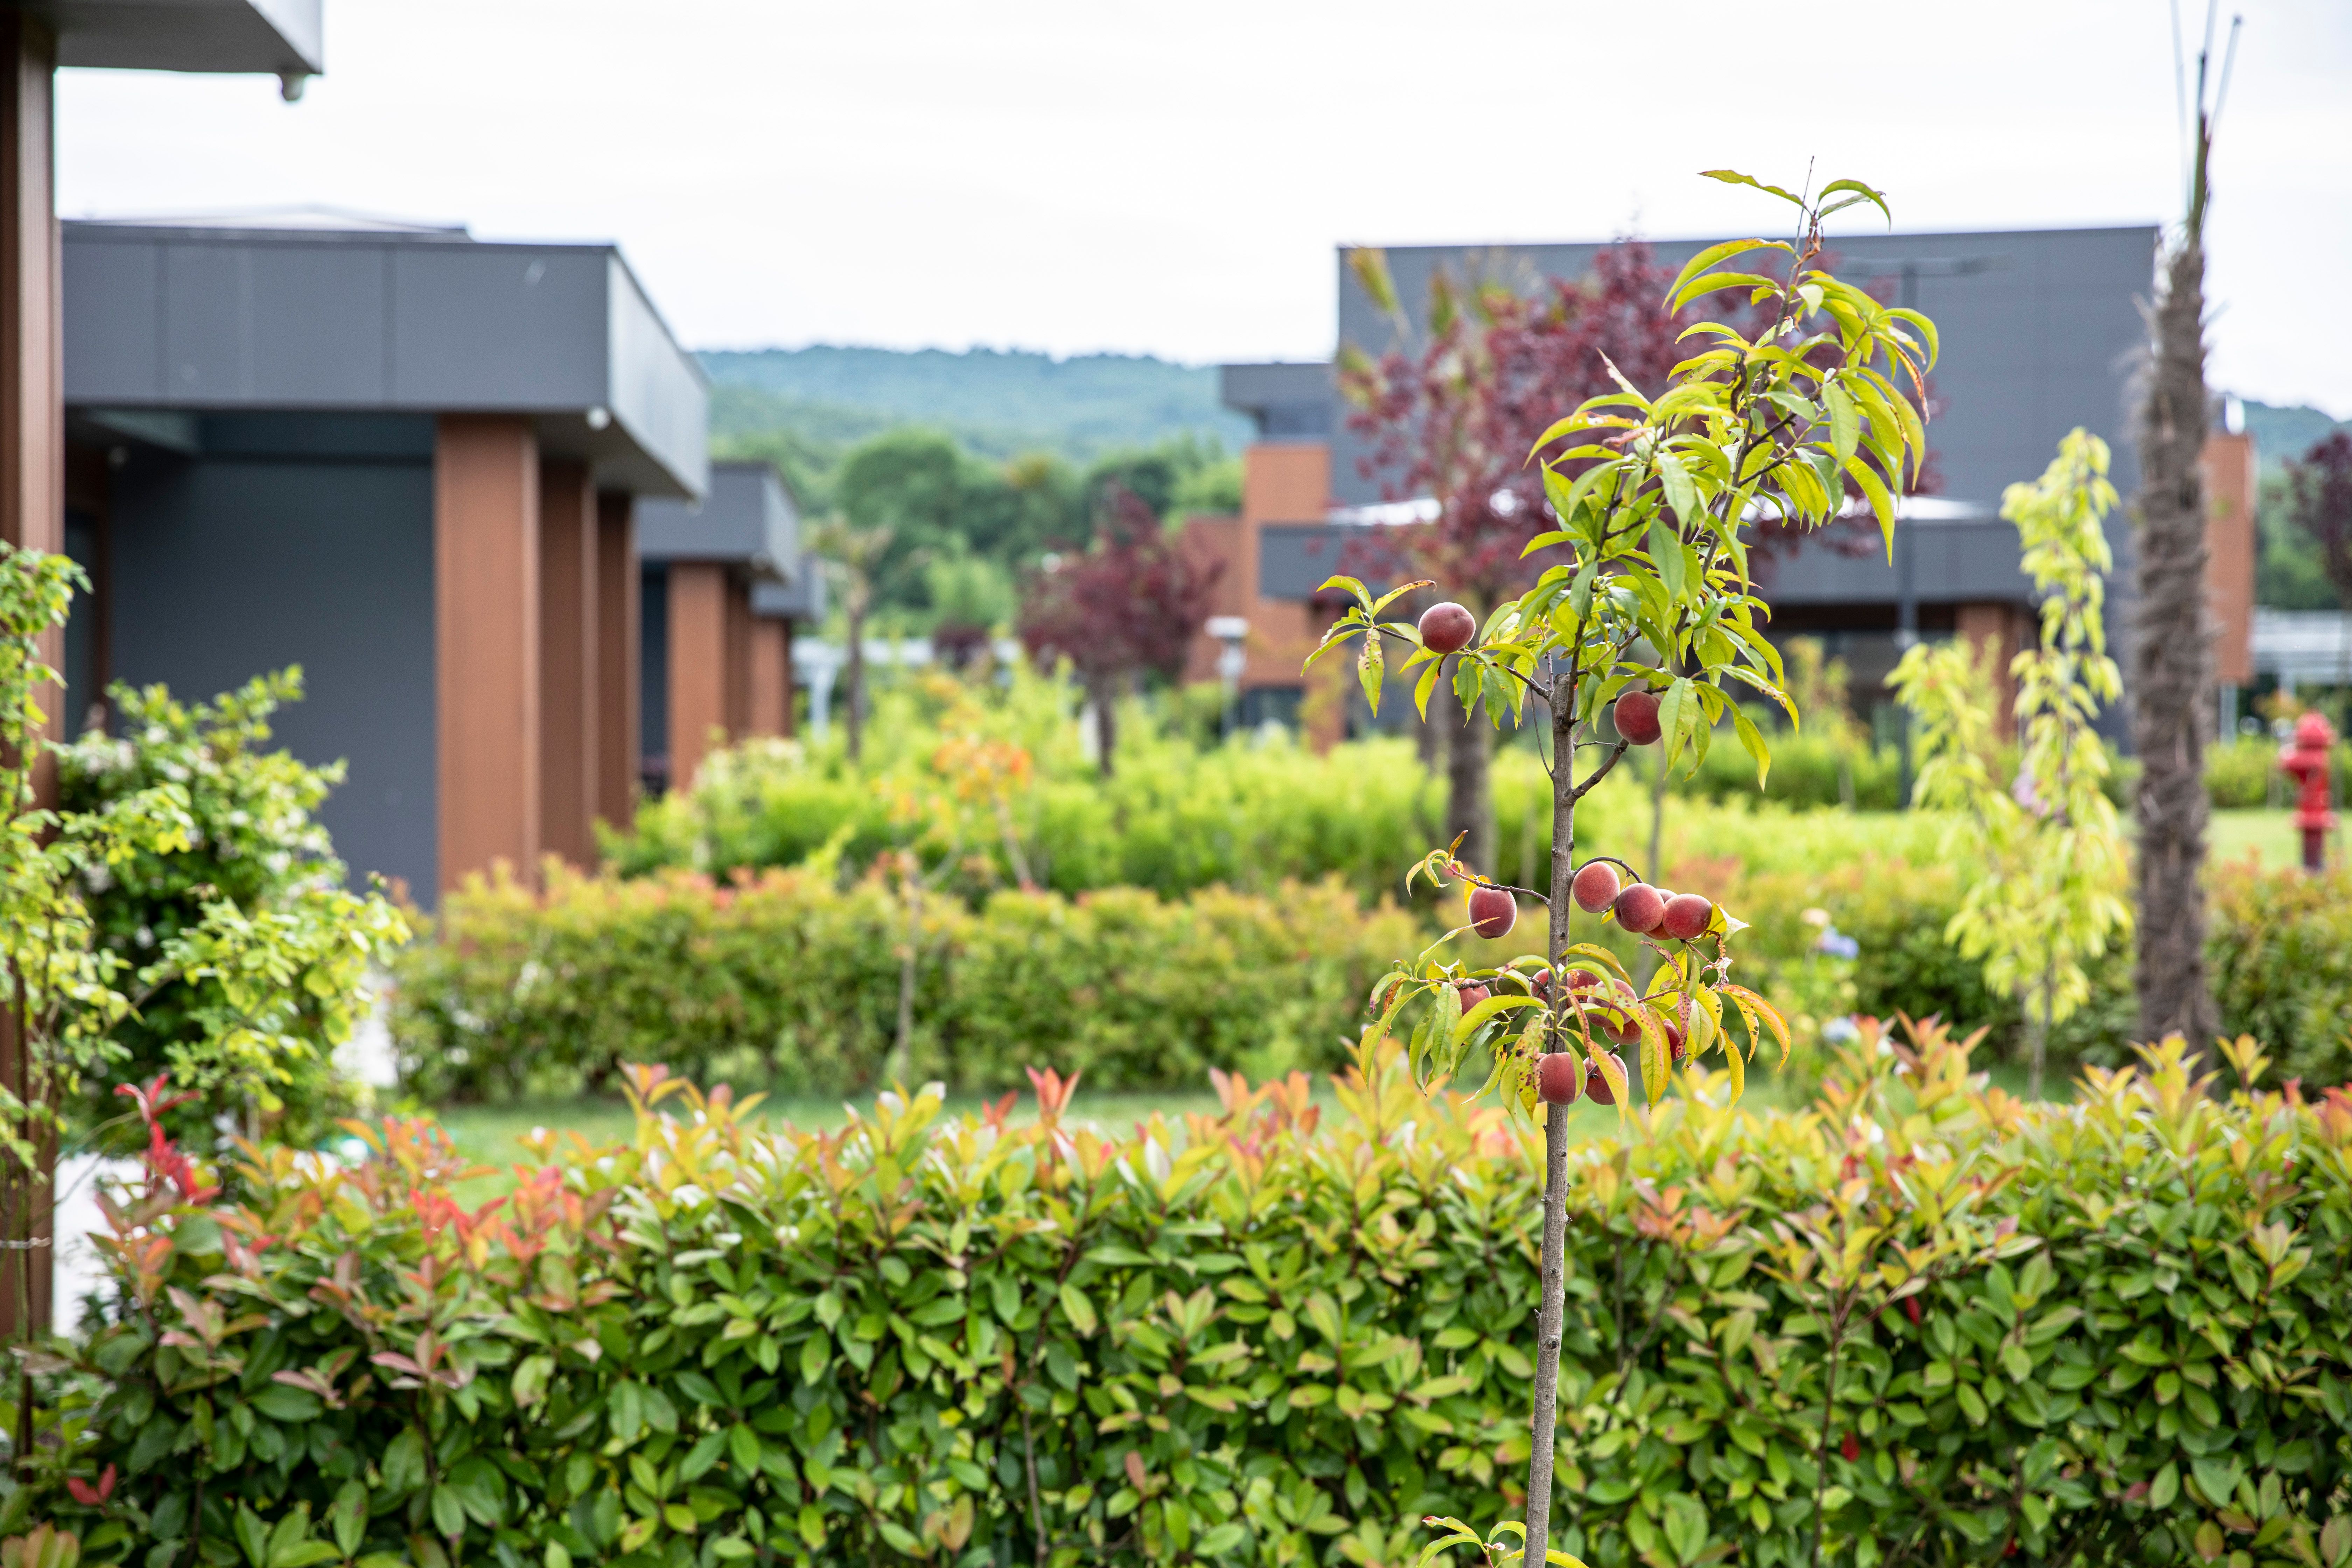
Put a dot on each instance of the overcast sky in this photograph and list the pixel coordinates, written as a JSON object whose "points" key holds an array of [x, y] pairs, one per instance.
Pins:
{"points": [[1077, 175]]}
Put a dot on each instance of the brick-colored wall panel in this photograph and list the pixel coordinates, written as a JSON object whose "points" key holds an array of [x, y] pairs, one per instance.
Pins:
{"points": [[568, 660], [617, 606], [697, 664], [487, 643]]}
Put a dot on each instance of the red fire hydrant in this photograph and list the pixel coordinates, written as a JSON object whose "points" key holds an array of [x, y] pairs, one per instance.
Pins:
{"points": [[2306, 758]]}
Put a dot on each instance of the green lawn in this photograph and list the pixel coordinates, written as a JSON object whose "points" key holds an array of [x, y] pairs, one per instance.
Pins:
{"points": [[2271, 836]]}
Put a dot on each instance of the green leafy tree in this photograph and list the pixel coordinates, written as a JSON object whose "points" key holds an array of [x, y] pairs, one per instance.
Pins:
{"points": [[1652, 496], [2056, 867], [910, 486], [251, 951], [61, 988], [857, 558], [254, 972]]}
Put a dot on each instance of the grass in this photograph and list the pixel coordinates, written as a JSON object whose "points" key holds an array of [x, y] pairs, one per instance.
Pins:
{"points": [[2270, 835]]}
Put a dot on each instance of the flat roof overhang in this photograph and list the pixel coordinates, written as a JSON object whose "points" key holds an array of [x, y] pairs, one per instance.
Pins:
{"points": [[192, 317], [801, 599], [746, 520], [1957, 556], [282, 37]]}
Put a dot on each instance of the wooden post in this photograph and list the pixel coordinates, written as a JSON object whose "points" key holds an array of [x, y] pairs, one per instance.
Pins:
{"points": [[616, 658], [739, 657], [568, 660], [772, 675], [486, 582], [697, 664], [32, 516]]}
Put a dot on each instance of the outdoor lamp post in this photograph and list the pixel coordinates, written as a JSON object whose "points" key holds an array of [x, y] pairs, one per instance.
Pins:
{"points": [[1232, 631], [2306, 758]]}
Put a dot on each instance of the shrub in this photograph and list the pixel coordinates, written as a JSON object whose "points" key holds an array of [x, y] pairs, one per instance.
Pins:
{"points": [[1896, 913], [790, 978], [1921, 1322], [1178, 816], [1172, 819], [247, 955], [1807, 770], [2280, 948], [2242, 772]]}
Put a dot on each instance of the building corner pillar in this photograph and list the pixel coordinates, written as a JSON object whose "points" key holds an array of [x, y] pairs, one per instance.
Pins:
{"points": [[772, 675], [486, 595], [569, 660], [698, 664], [618, 597], [32, 517]]}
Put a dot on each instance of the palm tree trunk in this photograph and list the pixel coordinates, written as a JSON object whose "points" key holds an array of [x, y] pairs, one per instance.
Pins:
{"points": [[2172, 664], [1469, 800], [1102, 693], [853, 697]]}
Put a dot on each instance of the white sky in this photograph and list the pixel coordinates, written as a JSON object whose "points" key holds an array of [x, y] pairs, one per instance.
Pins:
{"points": [[1077, 175]]}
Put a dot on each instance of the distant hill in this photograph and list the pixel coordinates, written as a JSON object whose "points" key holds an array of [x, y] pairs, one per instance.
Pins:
{"points": [[997, 403], [2283, 435]]}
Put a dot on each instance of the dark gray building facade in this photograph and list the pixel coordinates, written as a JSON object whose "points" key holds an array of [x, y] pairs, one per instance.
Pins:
{"points": [[2040, 333], [389, 454]]}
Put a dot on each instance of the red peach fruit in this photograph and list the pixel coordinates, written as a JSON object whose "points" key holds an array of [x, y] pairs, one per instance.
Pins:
{"points": [[1493, 912], [1688, 915], [1559, 1077], [1596, 1087], [1447, 627], [1640, 907], [1637, 716], [1595, 887]]}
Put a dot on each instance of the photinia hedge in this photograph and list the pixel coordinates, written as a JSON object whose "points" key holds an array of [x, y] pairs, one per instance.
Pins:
{"points": [[1923, 1323]]}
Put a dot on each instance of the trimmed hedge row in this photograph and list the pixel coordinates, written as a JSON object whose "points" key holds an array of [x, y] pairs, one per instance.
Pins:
{"points": [[1922, 1323], [2281, 955], [790, 979]]}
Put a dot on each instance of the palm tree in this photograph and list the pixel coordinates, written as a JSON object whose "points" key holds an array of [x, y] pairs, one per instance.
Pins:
{"points": [[2172, 674], [853, 554]]}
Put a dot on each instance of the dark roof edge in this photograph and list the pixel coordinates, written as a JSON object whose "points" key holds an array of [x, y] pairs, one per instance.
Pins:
{"points": [[2152, 227]]}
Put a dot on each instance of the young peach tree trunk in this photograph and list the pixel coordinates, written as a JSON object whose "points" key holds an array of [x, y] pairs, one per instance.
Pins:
{"points": [[1553, 1304]]}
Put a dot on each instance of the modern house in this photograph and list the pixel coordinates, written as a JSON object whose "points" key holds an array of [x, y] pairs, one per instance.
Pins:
{"points": [[406, 460], [2039, 330], [723, 582], [278, 37]]}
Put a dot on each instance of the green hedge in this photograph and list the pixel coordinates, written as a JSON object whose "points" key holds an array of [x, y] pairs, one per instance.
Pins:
{"points": [[1175, 816], [1896, 913], [1922, 1324], [2281, 954], [2244, 771], [1179, 815], [791, 980], [788, 978]]}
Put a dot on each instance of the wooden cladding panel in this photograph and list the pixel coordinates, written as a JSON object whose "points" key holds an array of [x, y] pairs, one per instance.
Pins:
{"points": [[617, 606], [486, 541], [697, 664]]}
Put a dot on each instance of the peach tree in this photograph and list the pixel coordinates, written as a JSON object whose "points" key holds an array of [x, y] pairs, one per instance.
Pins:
{"points": [[1652, 620]]}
